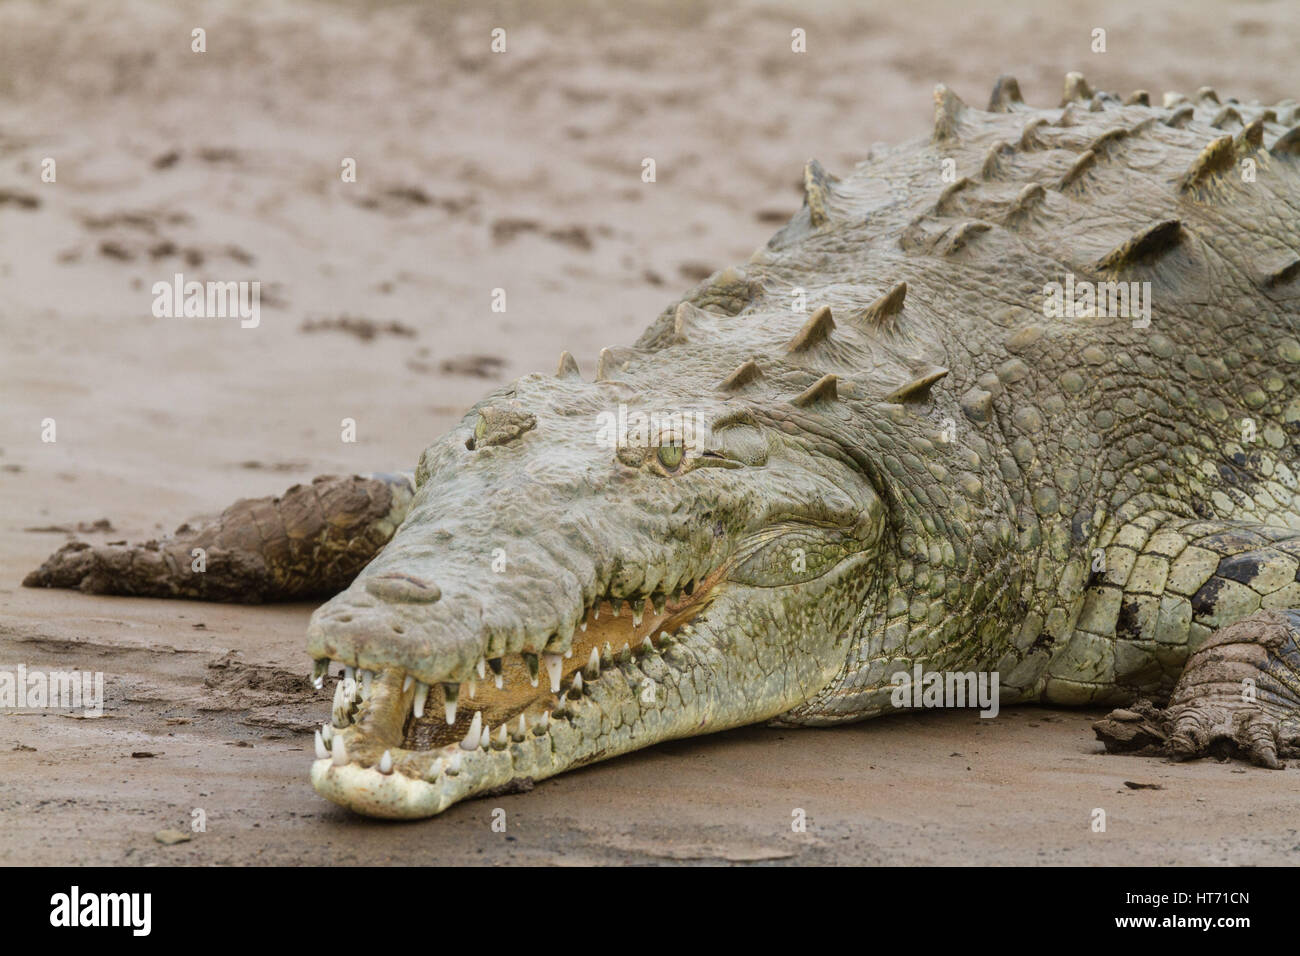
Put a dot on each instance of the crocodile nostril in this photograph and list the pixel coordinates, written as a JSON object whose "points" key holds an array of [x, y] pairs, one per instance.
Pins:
{"points": [[406, 588]]}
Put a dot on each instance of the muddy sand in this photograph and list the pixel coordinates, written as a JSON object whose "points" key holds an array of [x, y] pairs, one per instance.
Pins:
{"points": [[476, 171]]}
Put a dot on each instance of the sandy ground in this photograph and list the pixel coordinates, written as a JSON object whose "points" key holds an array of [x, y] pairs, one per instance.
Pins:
{"points": [[476, 171]]}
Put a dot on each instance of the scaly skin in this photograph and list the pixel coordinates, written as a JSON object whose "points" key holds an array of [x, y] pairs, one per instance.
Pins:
{"points": [[918, 469]]}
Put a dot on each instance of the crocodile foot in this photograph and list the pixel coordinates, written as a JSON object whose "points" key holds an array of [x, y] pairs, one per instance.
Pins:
{"points": [[309, 542], [1239, 696]]}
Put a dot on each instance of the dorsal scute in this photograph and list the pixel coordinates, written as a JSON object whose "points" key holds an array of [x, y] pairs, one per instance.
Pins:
{"points": [[822, 390], [817, 329]]}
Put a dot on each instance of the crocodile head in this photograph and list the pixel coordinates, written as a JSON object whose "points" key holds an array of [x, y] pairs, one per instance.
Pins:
{"points": [[569, 585]]}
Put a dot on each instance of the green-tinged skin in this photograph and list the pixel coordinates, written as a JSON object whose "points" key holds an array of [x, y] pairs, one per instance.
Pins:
{"points": [[1077, 505]]}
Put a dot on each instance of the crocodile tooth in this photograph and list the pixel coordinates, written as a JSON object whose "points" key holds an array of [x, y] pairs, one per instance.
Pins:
{"points": [[450, 694], [421, 695], [406, 684], [367, 678], [543, 722], [554, 665], [320, 669], [327, 733], [568, 652], [607, 656], [593, 667], [340, 753], [386, 763], [617, 605], [648, 646], [595, 612], [349, 673], [659, 602], [625, 655], [499, 679], [473, 688], [583, 625], [453, 763], [342, 709], [475, 731], [481, 668], [523, 725], [577, 684], [434, 770], [502, 735], [638, 608], [485, 739], [530, 661], [321, 752]]}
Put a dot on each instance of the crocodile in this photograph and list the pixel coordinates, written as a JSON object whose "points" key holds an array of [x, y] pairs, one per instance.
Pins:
{"points": [[1019, 398]]}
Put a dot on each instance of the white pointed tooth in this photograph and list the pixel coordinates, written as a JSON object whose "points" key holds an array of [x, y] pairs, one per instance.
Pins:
{"points": [[327, 734], [617, 606], [523, 724], [545, 720], [453, 763], [554, 665], [421, 698], [583, 625], [474, 733], [648, 646], [406, 684], [502, 734], [499, 680], [350, 689], [386, 763], [473, 689], [595, 612], [577, 681], [636, 618], [349, 673], [321, 751], [366, 678], [342, 708], [340, 753], [658, 602], [450, 698], [481, 667], [485, 739], [593, 665]]}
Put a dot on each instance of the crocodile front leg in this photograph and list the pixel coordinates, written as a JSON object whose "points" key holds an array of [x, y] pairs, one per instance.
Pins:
{"points": [[1165, 585], [1239, 696], [309, 542]]}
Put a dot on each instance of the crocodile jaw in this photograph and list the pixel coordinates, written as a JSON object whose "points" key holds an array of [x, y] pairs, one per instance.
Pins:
{"points": [[729, 667]]}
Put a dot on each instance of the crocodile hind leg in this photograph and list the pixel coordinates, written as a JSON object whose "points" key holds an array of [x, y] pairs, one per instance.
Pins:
{"points": [[309, 542], [1239, 696]]}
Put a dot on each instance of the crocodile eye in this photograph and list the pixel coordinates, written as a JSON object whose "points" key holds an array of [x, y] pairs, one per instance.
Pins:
{"points": [[670, 456]]}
